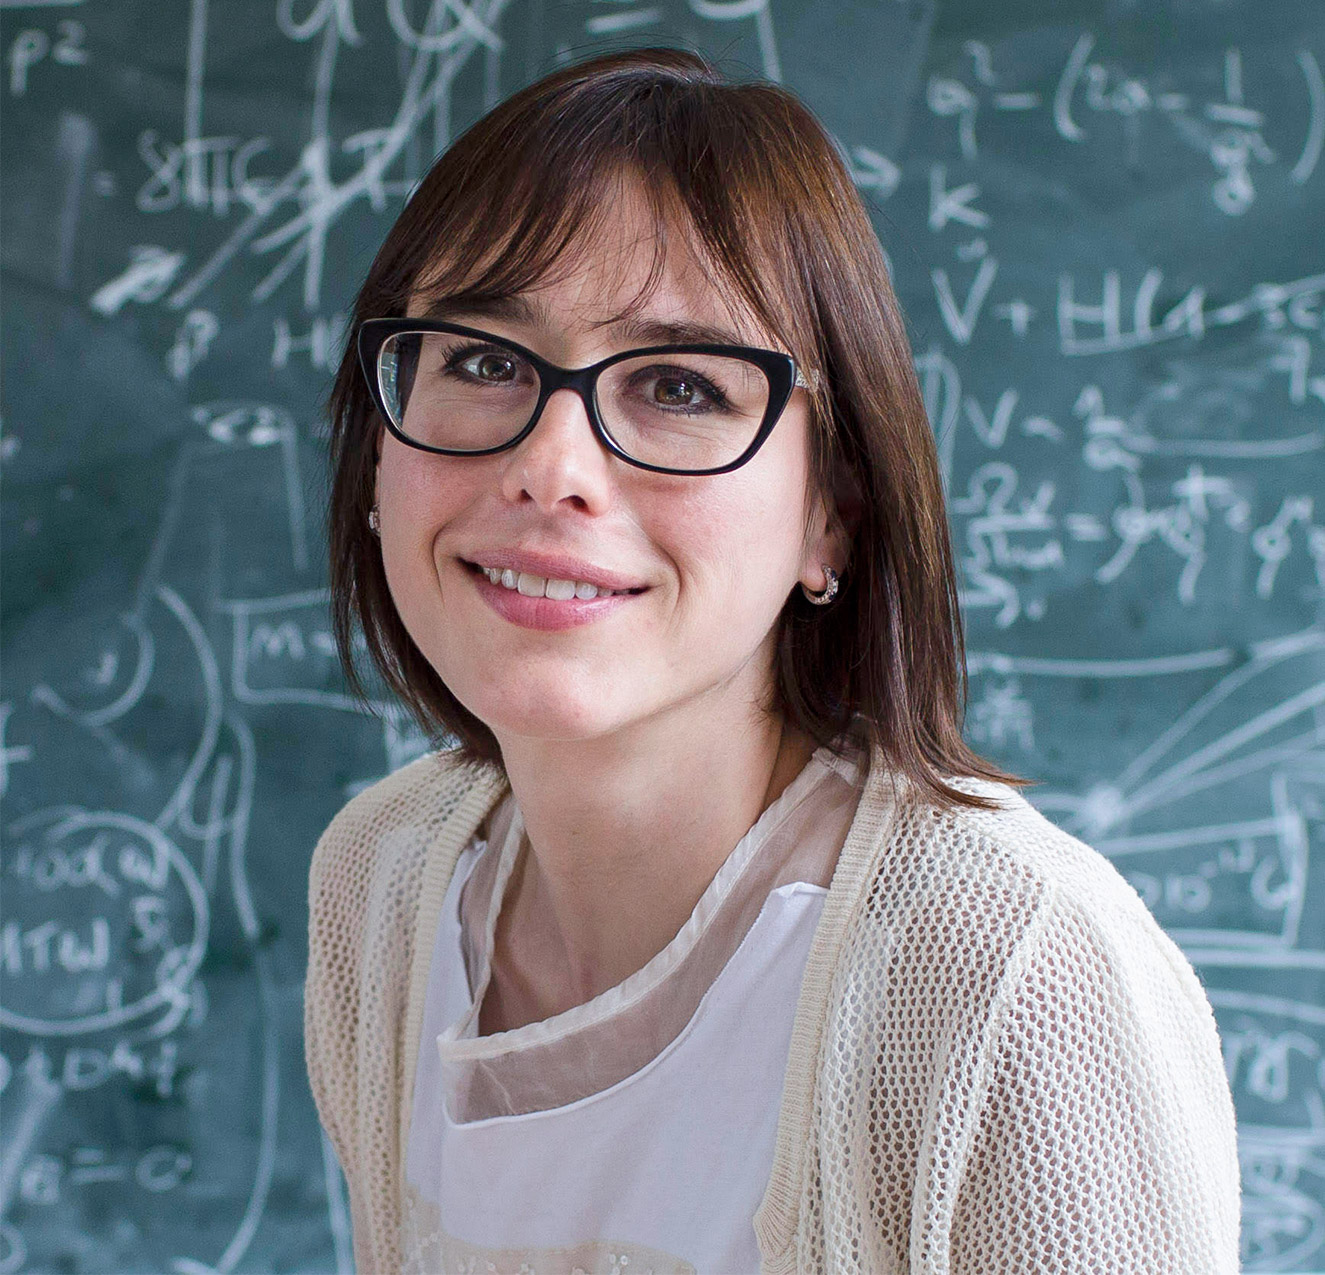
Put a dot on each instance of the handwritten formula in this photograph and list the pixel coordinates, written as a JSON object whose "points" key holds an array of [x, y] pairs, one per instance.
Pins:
{"points": [[1107, 237]]}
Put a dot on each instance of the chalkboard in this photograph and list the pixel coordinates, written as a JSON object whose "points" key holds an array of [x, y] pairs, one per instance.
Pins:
{"points": [[1105, 222]]}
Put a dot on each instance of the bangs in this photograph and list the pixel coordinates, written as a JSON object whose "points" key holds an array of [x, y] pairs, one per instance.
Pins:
{"points": [[498, 251], [511, 226]]}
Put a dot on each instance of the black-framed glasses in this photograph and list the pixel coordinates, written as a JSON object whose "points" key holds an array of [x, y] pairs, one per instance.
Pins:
{"points": [[673, 409]]}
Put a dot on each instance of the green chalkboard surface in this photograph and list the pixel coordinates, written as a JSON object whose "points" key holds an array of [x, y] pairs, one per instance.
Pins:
{"points": [[1107, 225]]}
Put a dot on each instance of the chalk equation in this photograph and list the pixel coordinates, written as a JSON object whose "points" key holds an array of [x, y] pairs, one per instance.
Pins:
{"points": [[1106, 238]]}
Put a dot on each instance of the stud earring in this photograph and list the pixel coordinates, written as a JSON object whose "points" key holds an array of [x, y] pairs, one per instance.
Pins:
{"points": [[374, 521], [829, 591]]}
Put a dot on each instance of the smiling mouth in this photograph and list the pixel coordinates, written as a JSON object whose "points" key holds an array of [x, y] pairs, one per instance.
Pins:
{"points": [[532, 586]]}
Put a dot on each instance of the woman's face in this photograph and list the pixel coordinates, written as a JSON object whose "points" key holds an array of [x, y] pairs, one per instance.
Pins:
{"points": [[699, 567]]}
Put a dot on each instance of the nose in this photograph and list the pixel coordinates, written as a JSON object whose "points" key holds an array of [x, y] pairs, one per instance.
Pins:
{"points": [[561, 460]]}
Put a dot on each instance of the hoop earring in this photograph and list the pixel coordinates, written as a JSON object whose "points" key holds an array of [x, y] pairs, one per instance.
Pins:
{"points": [[374, 521], [829, 592]]}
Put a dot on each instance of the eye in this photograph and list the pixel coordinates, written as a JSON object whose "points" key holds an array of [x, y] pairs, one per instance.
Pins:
{"points": [[479, 364], [678, 389], [490, 366], [675, 390]]}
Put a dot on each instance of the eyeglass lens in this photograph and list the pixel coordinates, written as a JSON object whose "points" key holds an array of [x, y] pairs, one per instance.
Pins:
{"points": [[674, 410]]}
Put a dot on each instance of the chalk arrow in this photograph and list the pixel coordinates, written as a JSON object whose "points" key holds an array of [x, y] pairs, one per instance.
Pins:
{"points": [[151, 271]]}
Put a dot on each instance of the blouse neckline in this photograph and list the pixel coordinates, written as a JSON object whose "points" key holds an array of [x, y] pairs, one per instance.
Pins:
{"points": [[461, 1041]]}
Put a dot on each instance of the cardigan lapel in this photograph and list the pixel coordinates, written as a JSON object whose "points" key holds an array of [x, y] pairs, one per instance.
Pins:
{"points": [[489, 787], [776, 1219]]}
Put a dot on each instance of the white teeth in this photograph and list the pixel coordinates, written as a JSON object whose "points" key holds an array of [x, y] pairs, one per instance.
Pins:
{"points": [[533, 586]]}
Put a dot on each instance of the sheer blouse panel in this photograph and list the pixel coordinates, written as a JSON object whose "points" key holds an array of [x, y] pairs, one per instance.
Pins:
{"points": [[594, 1046]]}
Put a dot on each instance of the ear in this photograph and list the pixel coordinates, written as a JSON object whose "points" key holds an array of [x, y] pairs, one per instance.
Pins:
{"points": [[831, 530]]}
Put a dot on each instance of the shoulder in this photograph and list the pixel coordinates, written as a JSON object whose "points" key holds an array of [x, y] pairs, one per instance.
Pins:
{"points": [[368, 867], [1031, 995], [1001, 894], [1001, 929], [366, 877], [1009, 846], [399, 814]]}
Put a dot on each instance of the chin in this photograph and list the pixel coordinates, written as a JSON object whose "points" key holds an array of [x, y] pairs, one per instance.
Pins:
{"points": [[554, 715]]}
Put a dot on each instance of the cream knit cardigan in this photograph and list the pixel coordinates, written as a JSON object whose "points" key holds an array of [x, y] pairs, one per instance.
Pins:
{"points": [[1000, 1064]]}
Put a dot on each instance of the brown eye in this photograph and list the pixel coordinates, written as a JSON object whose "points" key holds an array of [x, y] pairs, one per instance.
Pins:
{"points": [[675, 391], [492, 367]]}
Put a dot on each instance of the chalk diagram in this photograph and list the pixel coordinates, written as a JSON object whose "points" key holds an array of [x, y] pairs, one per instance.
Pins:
{"points": [[1232, 892], [109, 913], [1207, 486], [111, 910]]}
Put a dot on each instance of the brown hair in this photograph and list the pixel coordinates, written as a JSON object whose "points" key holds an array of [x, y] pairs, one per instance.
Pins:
{"points": [[755, 175]]}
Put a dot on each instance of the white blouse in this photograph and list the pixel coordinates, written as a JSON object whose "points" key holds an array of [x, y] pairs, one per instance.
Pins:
{"points": [[632, 1134]]}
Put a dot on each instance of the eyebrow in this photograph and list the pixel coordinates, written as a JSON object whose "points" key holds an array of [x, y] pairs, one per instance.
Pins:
{"points": [[642, 329]]}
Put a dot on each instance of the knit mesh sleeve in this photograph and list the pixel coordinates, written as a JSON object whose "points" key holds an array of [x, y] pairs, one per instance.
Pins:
{"points": [[1105, 1140], [365, 886], [1019, 1074], [337, 900]]}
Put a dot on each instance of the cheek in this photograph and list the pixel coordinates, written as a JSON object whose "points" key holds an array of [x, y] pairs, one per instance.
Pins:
{"points": [[741, 534], [413, 486], [418, 495], [421, 495]]}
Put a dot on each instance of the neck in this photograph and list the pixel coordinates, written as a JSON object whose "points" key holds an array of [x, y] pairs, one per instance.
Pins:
{"points": [[625, 834]]}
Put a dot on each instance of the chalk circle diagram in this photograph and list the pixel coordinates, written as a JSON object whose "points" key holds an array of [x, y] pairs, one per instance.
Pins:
{"points": [[106, 925]]}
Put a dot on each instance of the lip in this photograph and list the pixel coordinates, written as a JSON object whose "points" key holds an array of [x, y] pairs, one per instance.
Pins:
{"points": [[551, 615], [553, 567]]}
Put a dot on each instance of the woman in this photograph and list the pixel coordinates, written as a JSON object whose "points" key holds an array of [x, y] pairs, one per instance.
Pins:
{"points": [[711, 947]]}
